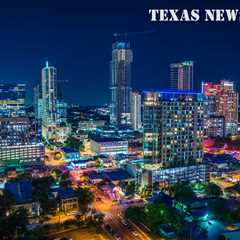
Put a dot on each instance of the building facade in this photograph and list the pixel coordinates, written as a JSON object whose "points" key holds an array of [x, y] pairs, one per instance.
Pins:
{"points": [[223, 101], [153, 173], [49, 101], [173, 128], [19, 143], [136, 111], [61, 112], [120, 85], [12, 100], [38, 102], [109, 146], [181, 75], [214, 126]]}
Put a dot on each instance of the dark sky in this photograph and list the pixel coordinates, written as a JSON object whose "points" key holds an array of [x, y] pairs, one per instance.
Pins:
{"points": [[76, 37]]}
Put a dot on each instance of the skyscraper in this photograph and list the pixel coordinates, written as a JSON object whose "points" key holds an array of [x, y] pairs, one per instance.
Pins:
{"points": [[136, 110], [38, 102], [181, 75], [12, 100], [49, 101], [173, 128], [222, 100], [173, 135], [120, 86]]}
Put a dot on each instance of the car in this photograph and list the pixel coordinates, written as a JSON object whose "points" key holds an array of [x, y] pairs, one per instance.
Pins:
{"points": [[117, 236], [124, 222], [134, 232], [109, 229]]}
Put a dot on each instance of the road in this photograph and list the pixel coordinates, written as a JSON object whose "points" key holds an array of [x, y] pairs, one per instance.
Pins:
{"points": [[83, 234], [112, 217], [60, 218]]}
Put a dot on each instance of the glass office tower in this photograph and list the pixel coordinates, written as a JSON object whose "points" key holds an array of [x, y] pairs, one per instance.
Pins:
{"points": [[120, 86], [181, 75]]}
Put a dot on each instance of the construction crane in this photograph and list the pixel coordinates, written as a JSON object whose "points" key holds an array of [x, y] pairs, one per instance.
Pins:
{"points": [[62, 81], [126, 34]]}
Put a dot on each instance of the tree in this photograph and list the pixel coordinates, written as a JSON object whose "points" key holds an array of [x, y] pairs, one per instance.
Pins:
{"points": [[6, 203], [221, 237], [156, 186], [131, 188], [135, 214], [182, 191], [85, 198], [14, 224], [154, 214], [64, 179], [160, 213], [73, 142], [235, 215], [220, 209], [213, 190], [42, 194], [146, 191]]}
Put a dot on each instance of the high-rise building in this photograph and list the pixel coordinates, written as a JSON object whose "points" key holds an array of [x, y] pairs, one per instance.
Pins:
{"points": [[12, 100], [120, 86], [222, 100], [136, 110], [38, 102], [173, 128], [49, 101], [214, 126], [173, 136], [20, 143], [181, 75], [61, 112]]}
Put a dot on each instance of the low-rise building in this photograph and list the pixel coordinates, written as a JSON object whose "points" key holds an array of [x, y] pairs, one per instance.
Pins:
{"points": [[109, 146], [91, 124], [21, 191], [152, 173], [70, 154], [68, 201]]}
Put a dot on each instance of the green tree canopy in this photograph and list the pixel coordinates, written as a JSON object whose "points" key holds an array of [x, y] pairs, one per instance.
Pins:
{"points": [[85, 198], [73, 142], [182, 191], [214, 190]]}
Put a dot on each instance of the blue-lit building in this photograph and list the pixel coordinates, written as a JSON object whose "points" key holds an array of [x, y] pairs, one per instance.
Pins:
{"points": [[38, 102], [70, 155], [21, 191], [61, 112], [12, 100]]}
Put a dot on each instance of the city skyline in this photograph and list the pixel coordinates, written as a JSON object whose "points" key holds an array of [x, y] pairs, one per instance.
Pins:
{"points": [[49, 33]]}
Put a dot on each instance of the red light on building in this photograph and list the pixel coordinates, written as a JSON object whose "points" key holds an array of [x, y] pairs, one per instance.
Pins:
{"points": [[212, 89]]}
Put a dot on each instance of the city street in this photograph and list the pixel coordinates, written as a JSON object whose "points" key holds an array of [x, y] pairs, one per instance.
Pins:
{"points": [[113, 216], [82, 234]]}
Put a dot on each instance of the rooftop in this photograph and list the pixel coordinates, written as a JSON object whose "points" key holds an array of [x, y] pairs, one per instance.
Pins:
{"points": [[21, 190], [106, 139], [68, 150], [65, 193]]}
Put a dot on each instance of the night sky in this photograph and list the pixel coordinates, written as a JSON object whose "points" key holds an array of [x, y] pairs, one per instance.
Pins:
{"points": [[76, 37]]}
